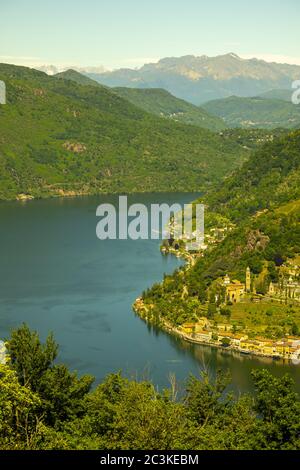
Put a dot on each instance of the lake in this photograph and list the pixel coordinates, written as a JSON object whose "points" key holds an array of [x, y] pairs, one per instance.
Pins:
{"points": [[55, 275]]}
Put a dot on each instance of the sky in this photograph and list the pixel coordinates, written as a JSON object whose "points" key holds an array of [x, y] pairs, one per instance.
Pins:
{"points": [[129, 33]]}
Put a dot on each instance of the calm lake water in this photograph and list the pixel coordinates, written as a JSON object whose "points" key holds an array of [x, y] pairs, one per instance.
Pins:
{"points": [[57, 276]]}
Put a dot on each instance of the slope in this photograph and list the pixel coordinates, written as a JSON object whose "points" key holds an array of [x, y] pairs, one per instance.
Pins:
{"points": [[58, 137], [255, 112], [163, 104], [260, 204]]}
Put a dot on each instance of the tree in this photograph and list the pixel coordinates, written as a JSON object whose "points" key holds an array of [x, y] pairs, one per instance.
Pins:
{"points": [[125, 414], [226, 312], [20, 413], [211, 310], [203, 396], [295, 329], [61, 391], [226, 342], [29, 357], [278, 408], [62, 394]]}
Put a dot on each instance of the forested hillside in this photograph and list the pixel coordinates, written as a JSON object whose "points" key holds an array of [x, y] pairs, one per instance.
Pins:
{"points": [[259, 112], [260, 206], [163, 104], [156, 101], [58, 137]]}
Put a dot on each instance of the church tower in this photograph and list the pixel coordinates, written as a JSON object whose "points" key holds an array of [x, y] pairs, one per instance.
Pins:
{"points": [[248, 280]]}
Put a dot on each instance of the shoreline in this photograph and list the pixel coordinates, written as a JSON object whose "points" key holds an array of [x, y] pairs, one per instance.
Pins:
{"points": [[24, 198], [165, 326]]}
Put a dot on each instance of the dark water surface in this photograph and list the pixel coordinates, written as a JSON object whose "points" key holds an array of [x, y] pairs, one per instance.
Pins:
{"points": [[56, 275]]}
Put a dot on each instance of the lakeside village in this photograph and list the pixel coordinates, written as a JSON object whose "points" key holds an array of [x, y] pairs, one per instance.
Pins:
{"points": [[239, 296]]}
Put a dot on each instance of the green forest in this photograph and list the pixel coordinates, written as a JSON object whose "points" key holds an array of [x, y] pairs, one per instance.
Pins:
{"points": [[264, 112], [44, 405], [58, 137]]}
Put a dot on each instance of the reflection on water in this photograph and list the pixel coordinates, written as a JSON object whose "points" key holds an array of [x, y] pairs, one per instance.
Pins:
{"points": [[214, 359]]}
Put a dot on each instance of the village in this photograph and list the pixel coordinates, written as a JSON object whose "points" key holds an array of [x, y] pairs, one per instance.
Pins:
{"points": [[227, 334]]}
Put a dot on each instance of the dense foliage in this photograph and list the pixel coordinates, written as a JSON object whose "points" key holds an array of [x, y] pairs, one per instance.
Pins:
{"points": [[57, 136], [269, 178], [160, 102], [256, 112], [45, 406], [156, 101]]}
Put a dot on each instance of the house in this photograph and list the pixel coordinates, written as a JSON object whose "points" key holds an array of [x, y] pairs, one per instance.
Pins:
{"points": [[203, 335], [294, 341], [284, 349], [266, 346], [248, 345], [288, 287], [235, 291], [188, 328], [204, 322], [237, 338], [224, 327]]}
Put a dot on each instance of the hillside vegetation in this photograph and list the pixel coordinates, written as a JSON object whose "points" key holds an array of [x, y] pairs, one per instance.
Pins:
{"points": [[77, 77], [257, 112], [156, 101], [46, 406], [163, 104], [58, 137], [261, 204], [284, 94]]}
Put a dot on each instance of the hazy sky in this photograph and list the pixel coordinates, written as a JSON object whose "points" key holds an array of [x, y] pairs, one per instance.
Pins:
{"points": [[128, 33]]}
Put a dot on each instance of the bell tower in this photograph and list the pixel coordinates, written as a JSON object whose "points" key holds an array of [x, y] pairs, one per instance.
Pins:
{"points": [[248, 280]]}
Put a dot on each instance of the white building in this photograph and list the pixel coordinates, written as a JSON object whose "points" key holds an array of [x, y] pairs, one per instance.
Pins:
{"points": [[2, 352]]}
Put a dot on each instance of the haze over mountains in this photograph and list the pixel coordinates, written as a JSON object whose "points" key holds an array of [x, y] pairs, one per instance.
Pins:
{"points": [[201, 79], [53, 69]]}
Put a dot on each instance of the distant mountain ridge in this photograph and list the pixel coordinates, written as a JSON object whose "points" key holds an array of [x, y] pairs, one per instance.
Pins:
{"points": [[54, 70], [256, 112], [77, 77], [279, 94], [164, 104], [201, 79], [156, 101]]}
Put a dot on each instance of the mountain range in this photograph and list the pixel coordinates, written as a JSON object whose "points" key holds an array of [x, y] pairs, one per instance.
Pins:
{"points": [[201, 79], [270, 110]]}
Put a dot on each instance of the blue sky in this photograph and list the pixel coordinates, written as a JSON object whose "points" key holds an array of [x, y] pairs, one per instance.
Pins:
{"points": [[128, 33]]}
